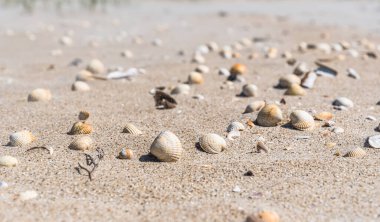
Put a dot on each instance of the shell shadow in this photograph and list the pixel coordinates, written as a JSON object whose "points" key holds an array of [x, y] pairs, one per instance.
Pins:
{"points": [[366, 144], [278, 87], [288, 126], [198, 146], [148, 158]]}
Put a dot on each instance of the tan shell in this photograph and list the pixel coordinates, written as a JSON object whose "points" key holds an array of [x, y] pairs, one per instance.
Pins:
{"points": [[357, 152], [39, 95], [125, 153], [195, 78], [8, 161], [250, 90], [272, 53], [202, 69], [323, 116], [235, 126], [80, 86], [308, 80], [80, 128], [96, 67], [264, 216], [295, 90], [21, 138], [181, 89], [238, 69], [83, 115], [270, 115], [301, 69], [84, 76], [131, 129], [287, 80], [82, 143], [166, 147], [212, 143], [254, 106], [301, 120]]}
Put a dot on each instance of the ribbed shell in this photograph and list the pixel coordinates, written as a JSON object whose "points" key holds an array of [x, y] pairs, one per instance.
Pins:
{"points": [[250, 90], [301, 120], [357, 152], [295, 90], [83, 115], [238, 69], [80, 86], [254, 106], [131, 129], [8, 161], [195, 78], [96, 67], [287, 80], [235, 126], [343, 101], [166, 147], [212, 143], [82, 143], [323, 116], [80, 128], [39, 95], [270, 115], [125, 153], [181, 89], [21, 138]]}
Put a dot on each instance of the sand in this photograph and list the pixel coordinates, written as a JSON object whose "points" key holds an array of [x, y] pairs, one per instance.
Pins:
{"points": [[300, 179]]}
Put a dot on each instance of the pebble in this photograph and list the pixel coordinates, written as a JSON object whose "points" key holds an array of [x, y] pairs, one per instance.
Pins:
{"points": [[236, 189], [249, 173], [352, 73]]}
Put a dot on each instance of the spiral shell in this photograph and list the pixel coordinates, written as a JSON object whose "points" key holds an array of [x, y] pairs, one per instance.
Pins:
{"points": [[264, 216], [343, 101], [301, 120], [80, 86], [357, 152], [80, 128], [195, 78], [295, 90], [131, 129], [21, 138], [39, 95], [287, 80], [82, 143], [181, 89], [212, 143], [125, 153], [83, 115], [96, 67], [8, 161], [254, 106], [166, 147], [238, 69], [250, 90], [270, 115], [323, 116], [235, 126]]}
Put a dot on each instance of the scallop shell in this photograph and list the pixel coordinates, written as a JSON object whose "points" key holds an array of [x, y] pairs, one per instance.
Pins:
{"points": [[195, 78], [8, 161], [269, 115], [309, 79], [39, 95], [264, 216], [250, 90], [301, 69], [21, 138], [374, 141], [343, 101], [295, 90], [238, 69], [125, 153], [131, 129], [235, 126], [82, 143], [323, 116], [96, 67], [80, 86], [166, 147], [357, 152], [202, 69], [301, 120], [80, 128], [83, 115], [212, 143], [287, 80], [254, 106], [181, 89]]}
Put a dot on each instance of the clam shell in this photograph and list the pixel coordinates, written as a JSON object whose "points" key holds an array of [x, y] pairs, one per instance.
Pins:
{"points": [[82, 143], [125, 153], [301, 120], [287, 80], [374, 141], [264, 216], [8, 161], [295, 90], [195, 78], [235, 126], [254, 106], [269, 115], [212, 143], [95, 66], [301, 69], [357, 152], [238, 69], [202, 69], [131, 129], [198, 58], [343, 101], [39, 95], [181, 89], [80, 128], [250, 90], [80, 86], [166, 147], [323, 116], [83, 115], [21, 138], [309, 79]]}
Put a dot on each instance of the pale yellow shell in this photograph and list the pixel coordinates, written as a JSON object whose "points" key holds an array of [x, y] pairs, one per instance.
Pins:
{"points": [[80, 128], [166, 147], [264, 216], [357, 152], [212, 143], [235, 126], [125, 153], [131, 129], [39, 95], [8, 161], [287, 80], [295, 90], [301, 120], [21, 138], [82, 143], [195, 78], [250, 90], [202, 69], [323, 116], [96, 67], [181, 89], [80, 86], [270, 115], [254, 106], [83, 115], [84, 75]]}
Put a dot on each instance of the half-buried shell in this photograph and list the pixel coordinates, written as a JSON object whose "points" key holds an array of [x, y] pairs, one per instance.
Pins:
{"points": [[80, 86], [131, 129], [249, 90], [254, 106], [39, 95], [212, 143], [82, 143], [235, 126], [323, 116], [295, 90], [357, 152], [8, 161], [301, 120]]}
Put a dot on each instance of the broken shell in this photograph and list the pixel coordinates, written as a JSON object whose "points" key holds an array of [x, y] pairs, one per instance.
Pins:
{"points": [[249, 90], [343, 101], [131, 129], [8, 161], [80, 86], [212, 143], [357, 152], [254, 106], [166, 147], [301, 120], [181, 89], [287, 80], [82, 143], [39, 95], [21, 138], [308, 80], [233, 135], [96, 67], [83, 115], [264, 216], [260, 146], [323, 116], [374, 141], [325, 70], [238, 69], [301, 69], [235, 126], [125, 153], [269, 115], [195, 78], [202, 69], [80, 128], [295, 90]]}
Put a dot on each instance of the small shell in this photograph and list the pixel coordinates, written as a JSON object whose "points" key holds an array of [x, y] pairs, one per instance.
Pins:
{"points": [[198, 58], [66, 40], [195, 78], [80, 128], [323, 116], [82, 143], [125, 153], [83, 115], [309, 79], [357, 152], [80, 86], [295, 90], [271, 53], [181, 89], [301, 69], [39, 95], [21, 138], [202, 69], [8, 161], [301, 120], [238, 69], [131, 129], [353, 73], [127, 54], [235, 126], [254, 106], [224, 72], [84, 75], [270, 115], [28, 195], [343, 101], [260, 146], [213, 46], [374, 141], [166, 147], [96, 67], [287, 80], [264, 216], [249, 90], [212, 143]]}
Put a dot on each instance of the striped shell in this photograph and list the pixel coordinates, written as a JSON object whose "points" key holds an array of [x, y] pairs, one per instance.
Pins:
{"points": [[80, 128], [238, 69], [21, 138], [357, 152], [131, 129], [195, 78], [270, 115], [301, 120], [295, 90], [343, 101], [212, 143], [249, 90], [264, 216], [82, 143], [181, 89], [39, 95], [323, 116], [235, 126], [166, 147], [83, 115], [80, 86], [287, 80], [8, 161], [125, 153], [96, 67], [254, 106]]}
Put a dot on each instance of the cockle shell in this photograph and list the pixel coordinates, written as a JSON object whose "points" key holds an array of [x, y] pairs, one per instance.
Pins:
{"points": [[254, 106], [82, 143], [269, 115], [301, 69], [287, 80], [80, 128], [301, 120], [238, 69], [131, 129], [21, 138], [235, 126], [323, 116], [343, 101], [125, 153], [195, 78], [250, 90], [80, 86], [202, 69], [264, 216], [166, 147], [308, 80], [95, 66], [181, 89], [356, 152], [83, 115], [374, 141], [8, 161], [212, 143], [39, 95], [295, 90]]}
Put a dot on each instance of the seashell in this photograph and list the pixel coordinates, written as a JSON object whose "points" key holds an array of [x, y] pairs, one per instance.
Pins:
{"points": [[325, 70], [203, 49], [308, 80], [195, 78], [260, 146], [269, 115], [3, 184], [80, 86], [82, 143], [235, 126], [352, 73], [166, 147], [272, 53], [125, 153], [323, 116], [198, 58], [96, 67], [370, 118], [157, 42], [357, 152], [246, 42], [287, 55], [324, 47], [83, 115], [127, 54], [202, 69], [249, 90], [80, 128], [164, 101], [85, 76], [374, 141], [264, 216], [301, 120], [343, 101], [39, 94], [66, 40], [238, 69], [28, 195], [301, 69], [131, 129], [287, 80], [8, 161], [254, 106], [224, 72], [21, 138], [295, 90], [181, 89], [213, 46], [212, 143], [338, 130], [199, 97], [254, 55]]}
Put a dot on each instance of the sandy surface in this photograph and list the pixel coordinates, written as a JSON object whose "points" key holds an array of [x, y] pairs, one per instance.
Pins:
{"points": [[305, 183]]}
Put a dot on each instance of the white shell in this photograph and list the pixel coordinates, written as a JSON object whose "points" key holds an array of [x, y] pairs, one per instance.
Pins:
{"points": [[287, 80], [181, 89], [198, 58], [82, 143], [343, 101], [3, 184], [213, 46], [352, 73], [202, 69], [374, 141], [302, 120], [84, 75], [8, 161], [80, 86], [212, 143], [308, 80], [96, 67], [132, 129], [127, 54], [224, 72], [254, 106], [301, 69], [21, 138], [250, 90], [66, 40], [39, 95], [166, 147], [235, 126]]}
